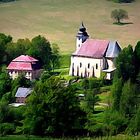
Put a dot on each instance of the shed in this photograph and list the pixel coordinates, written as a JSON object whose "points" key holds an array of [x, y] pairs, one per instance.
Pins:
{"points": [[22, 94]]}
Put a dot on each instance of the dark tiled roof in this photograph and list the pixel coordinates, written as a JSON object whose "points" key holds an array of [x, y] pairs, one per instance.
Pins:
{"points": [[113, 49]]}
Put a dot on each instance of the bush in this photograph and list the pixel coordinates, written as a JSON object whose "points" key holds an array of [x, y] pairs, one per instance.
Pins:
{"points": [[6, 128]]}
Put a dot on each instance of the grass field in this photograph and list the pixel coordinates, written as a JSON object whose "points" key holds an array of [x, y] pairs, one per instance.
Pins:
{"points": [[58, 20], [119, 137]]}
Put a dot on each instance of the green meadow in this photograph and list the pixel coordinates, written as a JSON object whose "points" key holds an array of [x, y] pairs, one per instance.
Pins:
{"points": [[58, 20]]}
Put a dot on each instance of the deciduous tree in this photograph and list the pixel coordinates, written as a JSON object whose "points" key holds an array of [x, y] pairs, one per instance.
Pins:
{"points": [[118, 15]]}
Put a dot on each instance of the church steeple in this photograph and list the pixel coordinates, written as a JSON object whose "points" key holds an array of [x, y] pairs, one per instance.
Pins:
{"points": [[82, 36]]}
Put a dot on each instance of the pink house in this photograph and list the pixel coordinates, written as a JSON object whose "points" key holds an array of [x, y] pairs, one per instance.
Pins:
{"points": [[26, 65]]}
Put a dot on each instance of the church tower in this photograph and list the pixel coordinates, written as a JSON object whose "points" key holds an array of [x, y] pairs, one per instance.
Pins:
{"points": [[81, 37]]}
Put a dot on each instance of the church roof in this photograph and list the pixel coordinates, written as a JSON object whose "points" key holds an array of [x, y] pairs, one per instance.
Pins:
{"points": [[93, 48], [113, 49]]}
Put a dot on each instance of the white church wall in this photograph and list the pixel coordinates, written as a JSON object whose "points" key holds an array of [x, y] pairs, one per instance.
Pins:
{"points": [[85, 67]]}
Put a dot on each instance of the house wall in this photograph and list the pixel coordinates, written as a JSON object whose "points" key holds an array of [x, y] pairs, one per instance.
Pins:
{"points": [[20, 100], [86, 67], [111, 63], [28, 74]]}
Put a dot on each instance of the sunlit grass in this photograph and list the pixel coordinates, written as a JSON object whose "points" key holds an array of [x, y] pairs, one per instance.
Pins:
{"points": [[58, 20]]}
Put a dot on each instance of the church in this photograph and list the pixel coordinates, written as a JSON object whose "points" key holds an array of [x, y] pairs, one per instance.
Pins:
{"points": [[93, 56]]}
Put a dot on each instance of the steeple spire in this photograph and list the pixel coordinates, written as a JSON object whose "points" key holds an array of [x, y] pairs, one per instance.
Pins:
{"points": [[82, 27], [82, 36]]}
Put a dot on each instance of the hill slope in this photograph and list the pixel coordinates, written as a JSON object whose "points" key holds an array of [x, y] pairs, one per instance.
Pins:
{"points": [[58, 20]]}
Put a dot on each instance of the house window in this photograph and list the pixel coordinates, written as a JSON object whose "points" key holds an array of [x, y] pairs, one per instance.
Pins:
{"points": [[96, 66], [80, 65], [88, 65]]}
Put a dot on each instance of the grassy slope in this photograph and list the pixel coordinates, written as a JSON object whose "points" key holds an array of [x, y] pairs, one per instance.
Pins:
{"points": [[59, 20]]}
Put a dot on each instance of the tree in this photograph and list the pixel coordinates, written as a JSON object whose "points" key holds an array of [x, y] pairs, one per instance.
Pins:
{"points": [[55, 56], [5, 83], [41, 50], [52, 108], [137, 57], [125, 64], [128, 101], [118, 15], [116, 93], [14, 50], [4, 40]]}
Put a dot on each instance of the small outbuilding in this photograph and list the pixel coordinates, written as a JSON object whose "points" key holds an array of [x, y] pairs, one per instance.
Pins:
{"points": [[22, 93]]}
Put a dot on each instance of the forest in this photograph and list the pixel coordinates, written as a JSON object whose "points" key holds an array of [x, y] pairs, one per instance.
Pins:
{"points": [[55, 108]]}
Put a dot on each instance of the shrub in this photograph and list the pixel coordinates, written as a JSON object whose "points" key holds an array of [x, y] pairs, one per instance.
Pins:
{"points": [[6, 128]]}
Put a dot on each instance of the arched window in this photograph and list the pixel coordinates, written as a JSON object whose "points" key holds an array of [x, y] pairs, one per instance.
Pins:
{"points": [[80, 65], [88, 65], [96, 66], [73, 69]]}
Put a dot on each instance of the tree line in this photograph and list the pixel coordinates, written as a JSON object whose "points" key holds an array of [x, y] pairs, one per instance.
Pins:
{"points": [[54, 108], [39, 47]]}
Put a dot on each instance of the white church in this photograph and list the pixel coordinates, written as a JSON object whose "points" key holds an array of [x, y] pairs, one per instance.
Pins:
{"points": [[93, 56]]}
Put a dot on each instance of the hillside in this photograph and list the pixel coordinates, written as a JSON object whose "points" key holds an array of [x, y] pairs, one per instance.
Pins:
{"points": [[59, 20]]}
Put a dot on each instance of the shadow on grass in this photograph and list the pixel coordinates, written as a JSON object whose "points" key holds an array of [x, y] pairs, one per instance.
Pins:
{"points": [[122, 23]]}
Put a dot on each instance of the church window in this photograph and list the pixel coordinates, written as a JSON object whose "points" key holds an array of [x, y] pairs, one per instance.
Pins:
{"points": [[96, 66], [88, 65], [80, 65]]}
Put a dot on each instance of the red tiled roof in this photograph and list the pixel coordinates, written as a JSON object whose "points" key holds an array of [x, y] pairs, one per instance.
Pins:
{"points": [[20, 66], [93, 48], [25, 58]]}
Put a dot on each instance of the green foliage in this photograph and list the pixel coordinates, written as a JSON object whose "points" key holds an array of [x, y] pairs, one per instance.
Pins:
{"points": [[21, 81], [55, 58], [41, 49], [95, 124], [6, 129], [119, 14], [52, 108], [4, 40], [137, 57], [89, 102], [5, 83], [134, 125], [125, 64], [128, 101], [65, 61], [116, 93], [14, 50], [114, 122]]}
